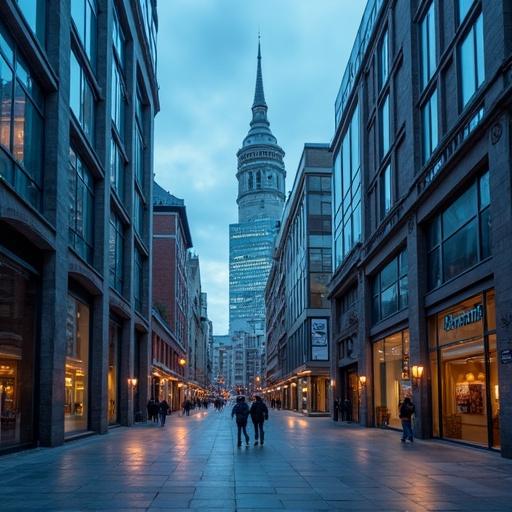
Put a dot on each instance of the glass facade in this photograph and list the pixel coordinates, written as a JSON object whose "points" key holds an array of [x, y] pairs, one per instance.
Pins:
{"points": [[463, 8], [18, 307], [429, 126], [76, 381], [386, 198], [150, 27], [21, 124], [347, 192], [391, 377], [465, 388], [117, 170], [118, 105], [428, 45], [250, 260], [459, 237], [471, 61], [384, 128], [390, 288], [116, 252], [34, 12], [383, 59], [81, 98], [84, 16], [81, 208]]}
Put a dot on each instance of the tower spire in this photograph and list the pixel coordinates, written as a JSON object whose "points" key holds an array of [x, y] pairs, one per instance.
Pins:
{"points": [[259, 95]]}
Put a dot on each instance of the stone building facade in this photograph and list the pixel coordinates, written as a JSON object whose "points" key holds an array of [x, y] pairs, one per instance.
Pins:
{"points": [[298, 312], [421, 292], [79, 96]]}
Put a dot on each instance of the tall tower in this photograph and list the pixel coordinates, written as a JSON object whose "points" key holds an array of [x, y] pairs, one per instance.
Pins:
{"points": [[261, 195], [261, 173]]}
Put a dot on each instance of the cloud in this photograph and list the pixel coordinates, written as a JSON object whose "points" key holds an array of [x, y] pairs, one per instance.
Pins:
{"points": [[207, 68]]}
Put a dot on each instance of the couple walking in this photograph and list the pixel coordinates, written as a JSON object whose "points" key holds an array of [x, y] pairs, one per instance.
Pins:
{"points": [[258, 412]]}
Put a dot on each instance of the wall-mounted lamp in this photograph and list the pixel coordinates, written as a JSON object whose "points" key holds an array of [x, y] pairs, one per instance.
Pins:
{"points": [[304, 390], [362, 380], [417, 373], [182, 361], [132, 382], [294, 384]]}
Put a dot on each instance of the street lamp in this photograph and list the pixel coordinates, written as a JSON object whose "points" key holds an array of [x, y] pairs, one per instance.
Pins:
{"points": [[182, 361], [417, 373]]}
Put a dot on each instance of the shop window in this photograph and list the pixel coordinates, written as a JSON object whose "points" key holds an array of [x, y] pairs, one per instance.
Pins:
{"points": [[113, 372], [77, 366], [459, 237], [391, 378], [462, 383], [390, 288], [471, 61], [18, 303], [21, 124]]}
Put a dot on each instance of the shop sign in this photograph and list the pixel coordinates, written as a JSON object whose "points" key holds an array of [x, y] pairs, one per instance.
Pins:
{"points": [[470, 316], [506, 356], [320, 351]]}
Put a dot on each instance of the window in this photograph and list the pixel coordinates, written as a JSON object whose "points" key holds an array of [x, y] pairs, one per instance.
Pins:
{"points": [[118, 100], [386, 199], [390, 285], [471, 61], [429, 122], [81, 98], [84, 14], [116, 252], [320, 259], [347, 192], [383, 59], [258, 179], [117, 167], [139, 140], [459, 237], [118, 39], [34, 12], [21, 124], [137, 279], [251, 181], [428, 46], [464, 6], [81, 208], [384, 127], [138, 213]]}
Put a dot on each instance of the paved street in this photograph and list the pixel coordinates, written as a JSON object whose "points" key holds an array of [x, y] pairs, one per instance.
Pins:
{"points": [[306, 464]]}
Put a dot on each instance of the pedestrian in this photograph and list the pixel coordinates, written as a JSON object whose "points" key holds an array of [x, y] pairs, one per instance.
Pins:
{"points": [[187, 407], [154, 411], [241, 412], [347, 410], [336, 409], [259, 413], [272, 403], [278, 404], [149, 406], [163, 409], [407, 409]]}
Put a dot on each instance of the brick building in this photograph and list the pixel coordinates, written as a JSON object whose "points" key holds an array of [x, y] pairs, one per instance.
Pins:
{"points": [[421, 293]]}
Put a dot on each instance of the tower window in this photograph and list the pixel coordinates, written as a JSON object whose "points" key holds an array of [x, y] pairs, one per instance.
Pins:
{"points": [[258, 179], [251, 181]]}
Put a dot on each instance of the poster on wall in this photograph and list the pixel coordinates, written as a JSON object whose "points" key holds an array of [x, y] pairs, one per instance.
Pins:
{"points": [[469, 398], [319, 348]]}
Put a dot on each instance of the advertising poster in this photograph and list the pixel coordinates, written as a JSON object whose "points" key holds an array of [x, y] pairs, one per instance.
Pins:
{"points": [[319, 347]]}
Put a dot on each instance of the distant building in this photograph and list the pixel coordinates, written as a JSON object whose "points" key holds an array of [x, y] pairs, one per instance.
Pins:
{"points": [[298, 312], [79, 94], [261, 194], [222, 363], [171, 241]]}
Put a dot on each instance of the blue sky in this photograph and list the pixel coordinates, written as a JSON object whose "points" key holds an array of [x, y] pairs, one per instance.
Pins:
{"points": [[206, 70]]}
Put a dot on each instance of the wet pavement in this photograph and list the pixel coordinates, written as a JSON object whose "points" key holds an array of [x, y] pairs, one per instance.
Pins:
{"points": [[307, 464]]}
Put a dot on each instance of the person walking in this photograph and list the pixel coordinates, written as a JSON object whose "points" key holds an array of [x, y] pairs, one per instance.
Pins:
{"points": [[259, 413], [186, 407], [154, 411], [163, 409], [407, 409], [241, 412], [336, 409]]}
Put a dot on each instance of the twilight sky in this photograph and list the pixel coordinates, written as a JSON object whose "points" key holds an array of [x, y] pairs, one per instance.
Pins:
{"points": [[207, 70]]}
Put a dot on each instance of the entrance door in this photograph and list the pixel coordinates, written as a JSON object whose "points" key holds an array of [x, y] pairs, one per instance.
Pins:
{"points": [[350, 405]]}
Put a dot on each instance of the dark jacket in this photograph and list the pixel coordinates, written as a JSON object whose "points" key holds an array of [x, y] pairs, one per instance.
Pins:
{"points": [[407, 409], [163, 408], [258, 412], [241, 411]]}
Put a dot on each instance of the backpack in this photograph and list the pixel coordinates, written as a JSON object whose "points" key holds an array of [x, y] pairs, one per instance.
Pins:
{"points": [[241, 411]]}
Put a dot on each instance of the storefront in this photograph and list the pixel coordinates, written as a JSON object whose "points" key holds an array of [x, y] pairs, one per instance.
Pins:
{"points": [[465, 391], [76, 402], [18, 306], [391, 377]]}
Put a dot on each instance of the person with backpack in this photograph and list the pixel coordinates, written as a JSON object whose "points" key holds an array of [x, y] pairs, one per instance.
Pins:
{"points": [[259, 413], [407, 409], [241, 412]]}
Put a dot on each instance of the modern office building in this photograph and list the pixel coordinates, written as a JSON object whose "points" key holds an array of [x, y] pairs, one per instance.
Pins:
{"points": [[171, 242], [298, 312], [79, 94], [261, 194], [222, 363], [421, 291]]}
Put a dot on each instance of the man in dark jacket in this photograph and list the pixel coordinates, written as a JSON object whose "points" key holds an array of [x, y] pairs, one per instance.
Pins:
{"points": [[407, 409], [259, 413], [163, 409], [241, 412]]}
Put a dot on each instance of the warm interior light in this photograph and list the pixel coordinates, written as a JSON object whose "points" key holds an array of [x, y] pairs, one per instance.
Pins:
{"points": [[294, 384], [417, 371], [470, 377], [496, 392], [279, 388], [304, 390], [362, 379], [481, 376]]}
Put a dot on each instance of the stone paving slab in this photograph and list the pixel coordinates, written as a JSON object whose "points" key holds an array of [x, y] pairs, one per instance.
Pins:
{"points": [[306, 464]]}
